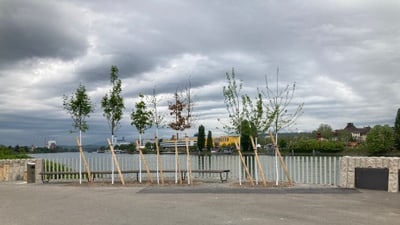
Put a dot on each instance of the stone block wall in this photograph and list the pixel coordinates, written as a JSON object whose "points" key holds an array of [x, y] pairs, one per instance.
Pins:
{"points": [[348, 165], [16, 169]]}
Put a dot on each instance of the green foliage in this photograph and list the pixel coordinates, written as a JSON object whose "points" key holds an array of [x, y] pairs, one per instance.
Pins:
{"points": [[245, 142], [397, 130], [57, 149], [141, 118], [150, 146], [129, 148], [112, 103], [345, 136], [232, 99], [201, 138], [380, 139], [360, 150], [309, 145], [282, 143], [79, 107], [260, 118], [209, 141], [325, 131], [8, 153]]}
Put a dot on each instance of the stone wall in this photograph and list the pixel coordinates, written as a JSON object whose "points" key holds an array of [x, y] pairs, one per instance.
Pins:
{"points": [[16, 169], [348, 165]]}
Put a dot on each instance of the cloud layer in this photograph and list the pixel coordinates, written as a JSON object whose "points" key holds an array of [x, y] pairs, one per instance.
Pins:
{"points": [[343, 56]]}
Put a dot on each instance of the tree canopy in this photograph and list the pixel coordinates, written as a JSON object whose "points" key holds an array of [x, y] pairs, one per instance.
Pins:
{"points": [[397, 130], [278, 102], [113, 103], [380, 139], [181, 110], [209, 144], [201, 138], [325, 131], [141, 118], [78, 106], [245, 141], [233, 101]]}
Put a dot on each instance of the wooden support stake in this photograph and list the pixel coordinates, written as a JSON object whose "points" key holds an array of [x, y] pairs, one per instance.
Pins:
{"points": [[84, 160], [178, 164], [280, 158], [159, 161], [244, 165], [116, 161], [188, 160], [144, 162], [260, 169]]}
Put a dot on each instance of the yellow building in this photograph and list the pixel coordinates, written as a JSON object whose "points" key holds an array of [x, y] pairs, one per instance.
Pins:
{"points": [[192, 141], [225, 141]]}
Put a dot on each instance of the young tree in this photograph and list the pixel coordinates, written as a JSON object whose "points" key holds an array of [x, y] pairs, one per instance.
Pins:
{"points": [[259, 119], [397, 130], [325, 131], [157, 117], [113, 103], [234, 103], [241, 107], [201, 138], [380, 139], [141, 118], [209, 141], [79, 106], [181, 110], [278, 103], [180, 122]]}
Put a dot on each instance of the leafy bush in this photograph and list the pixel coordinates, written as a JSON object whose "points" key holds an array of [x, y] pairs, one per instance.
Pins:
{"points": [[380, 139], [322, 146], [7, 153]]}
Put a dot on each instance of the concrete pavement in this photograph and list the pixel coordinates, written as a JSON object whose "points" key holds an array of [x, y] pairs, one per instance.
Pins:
{"points": [[63, 204]]}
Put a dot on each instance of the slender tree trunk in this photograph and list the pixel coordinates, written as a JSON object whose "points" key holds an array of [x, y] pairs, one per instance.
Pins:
{"points": [[112, 160], [80, 158], [140, 159]]}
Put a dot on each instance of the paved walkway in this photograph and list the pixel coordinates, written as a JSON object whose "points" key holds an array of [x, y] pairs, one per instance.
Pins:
{"points": [[63, 204]]}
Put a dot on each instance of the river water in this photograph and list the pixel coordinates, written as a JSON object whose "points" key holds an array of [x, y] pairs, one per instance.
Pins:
{"points": [[302, 169]]}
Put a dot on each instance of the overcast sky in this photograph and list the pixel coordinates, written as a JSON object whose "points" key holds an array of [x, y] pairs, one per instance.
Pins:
{"points": [[344, 56]]}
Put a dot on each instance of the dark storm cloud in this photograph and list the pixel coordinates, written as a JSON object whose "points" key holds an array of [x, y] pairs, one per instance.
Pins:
{"points": [[342, 55], [32, 29]]}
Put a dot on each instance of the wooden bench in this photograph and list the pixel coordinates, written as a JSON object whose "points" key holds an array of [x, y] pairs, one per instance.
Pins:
{"points": [[46, 176], [184, 172], [220, 172]]}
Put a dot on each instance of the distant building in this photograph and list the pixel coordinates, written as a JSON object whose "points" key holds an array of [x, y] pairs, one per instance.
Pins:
{"points": [[121, 141], [179, 143], [358, 134], [52, 144], [224, 141]]}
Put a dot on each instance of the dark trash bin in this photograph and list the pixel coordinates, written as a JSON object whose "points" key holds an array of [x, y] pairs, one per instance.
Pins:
{"points": [[31, 173]]}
